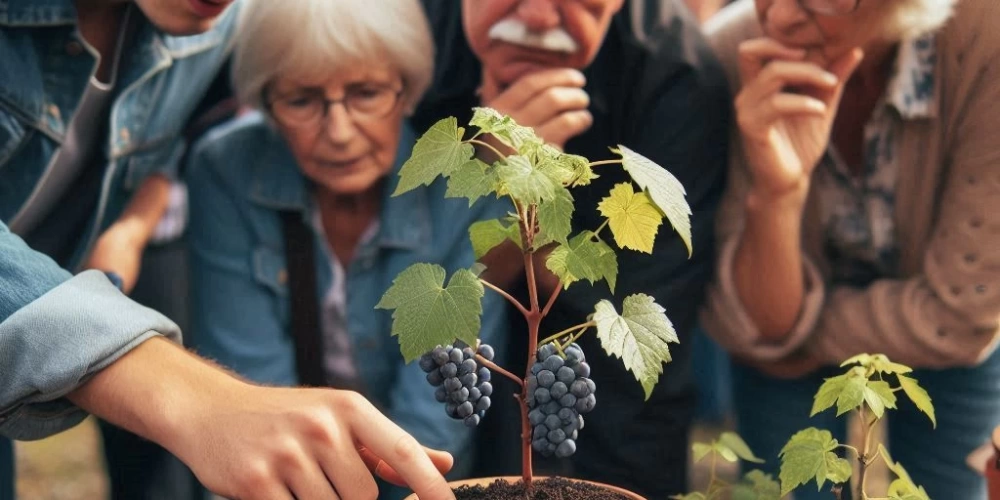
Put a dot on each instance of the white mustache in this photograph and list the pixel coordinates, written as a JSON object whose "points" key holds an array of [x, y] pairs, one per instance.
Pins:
{"points": [[513, 31]]}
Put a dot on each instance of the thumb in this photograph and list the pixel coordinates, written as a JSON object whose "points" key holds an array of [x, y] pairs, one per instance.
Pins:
{"points": [[843, 68]]}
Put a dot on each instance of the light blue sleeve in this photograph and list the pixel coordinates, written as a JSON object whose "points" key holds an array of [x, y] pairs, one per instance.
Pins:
{"points": [[56, 331]]}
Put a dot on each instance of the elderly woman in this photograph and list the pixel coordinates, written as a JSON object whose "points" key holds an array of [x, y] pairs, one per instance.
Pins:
{"points": [[310, 172], [863, 215]]}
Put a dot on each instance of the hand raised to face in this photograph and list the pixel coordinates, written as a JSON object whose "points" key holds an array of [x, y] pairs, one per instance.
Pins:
{"points": [[551, 101]]}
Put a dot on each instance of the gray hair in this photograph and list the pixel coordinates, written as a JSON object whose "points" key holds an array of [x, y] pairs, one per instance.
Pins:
{"points": [[314, 38], [912, 18]]}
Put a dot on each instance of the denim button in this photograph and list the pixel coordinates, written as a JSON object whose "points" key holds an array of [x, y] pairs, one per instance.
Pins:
{"points": [[53, 111], [74, 48]]}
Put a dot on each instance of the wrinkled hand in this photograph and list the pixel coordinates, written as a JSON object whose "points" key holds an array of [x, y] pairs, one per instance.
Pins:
{"points": [[276, 443], [118, 250], [785, 112], [551, 101]]}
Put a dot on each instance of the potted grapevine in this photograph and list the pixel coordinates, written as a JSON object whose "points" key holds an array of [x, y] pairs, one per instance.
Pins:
{"points": [[811, 455], [437, 323]]}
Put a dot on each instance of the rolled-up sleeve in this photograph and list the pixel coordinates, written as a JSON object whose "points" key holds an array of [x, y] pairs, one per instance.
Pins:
{"points": [[56, 331]]}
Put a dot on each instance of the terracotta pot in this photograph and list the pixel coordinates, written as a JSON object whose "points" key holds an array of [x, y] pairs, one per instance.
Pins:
{"points": [[993, 468], [486, 481]]}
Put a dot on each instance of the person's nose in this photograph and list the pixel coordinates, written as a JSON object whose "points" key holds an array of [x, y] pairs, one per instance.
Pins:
{"points": [[340, 127], [539, 15], [786, 15]]}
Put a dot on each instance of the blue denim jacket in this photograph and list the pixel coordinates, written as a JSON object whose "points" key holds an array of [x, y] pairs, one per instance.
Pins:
{"points": [[56, 330], [240, 177]]}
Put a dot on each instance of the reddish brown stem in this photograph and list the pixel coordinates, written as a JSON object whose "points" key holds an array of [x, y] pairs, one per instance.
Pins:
{"points": [[534, 318], [497, 368], [505, 295], [552, 300]]}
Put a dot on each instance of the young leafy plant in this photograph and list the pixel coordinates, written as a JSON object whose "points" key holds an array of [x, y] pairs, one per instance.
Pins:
{"points": [[438, 322], [811, 454], [866, 390], [730, 447]]}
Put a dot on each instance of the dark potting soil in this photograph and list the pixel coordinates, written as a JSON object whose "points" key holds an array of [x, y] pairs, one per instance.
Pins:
{"points": [[555, 488]]}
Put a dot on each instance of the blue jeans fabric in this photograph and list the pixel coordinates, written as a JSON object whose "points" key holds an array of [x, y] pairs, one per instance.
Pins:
{"points": [[6, 469], [966, 402]]}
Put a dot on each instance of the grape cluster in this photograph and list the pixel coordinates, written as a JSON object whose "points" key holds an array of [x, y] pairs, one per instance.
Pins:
{"points": [[462, 385], [559, 394]]}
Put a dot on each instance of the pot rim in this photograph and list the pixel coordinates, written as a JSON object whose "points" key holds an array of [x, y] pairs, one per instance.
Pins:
{"points": [[514, 479]]}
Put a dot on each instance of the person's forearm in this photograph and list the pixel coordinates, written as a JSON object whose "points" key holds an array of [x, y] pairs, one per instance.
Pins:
{"points": [[767, 267], [153, 389], [145, 210]]}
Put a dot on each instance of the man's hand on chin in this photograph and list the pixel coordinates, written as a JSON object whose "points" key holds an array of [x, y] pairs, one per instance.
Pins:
{"points": [[551, 101]]}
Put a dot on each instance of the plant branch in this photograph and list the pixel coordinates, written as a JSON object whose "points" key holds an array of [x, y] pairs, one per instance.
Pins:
{"points": [[606, 162], [849, 447], [864, 459], [529, 269], [552, 299], [597, 232], [496, 151], [581, 326], [499, 369], [506, 295]]}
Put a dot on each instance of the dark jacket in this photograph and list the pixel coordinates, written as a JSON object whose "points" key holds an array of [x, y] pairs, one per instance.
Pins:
{"points": [[656, 88]]}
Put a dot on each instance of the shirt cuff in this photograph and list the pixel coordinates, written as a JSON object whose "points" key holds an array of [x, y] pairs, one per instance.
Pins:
{"points": [[57, 342], [728, 322]]}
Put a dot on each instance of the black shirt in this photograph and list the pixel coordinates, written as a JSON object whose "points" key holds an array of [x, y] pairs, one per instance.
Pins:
{"points": [[656, 88]]}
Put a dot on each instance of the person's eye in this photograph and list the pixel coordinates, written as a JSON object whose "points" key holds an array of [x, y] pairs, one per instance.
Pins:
{"points": [[370, 93], [299, 102]]}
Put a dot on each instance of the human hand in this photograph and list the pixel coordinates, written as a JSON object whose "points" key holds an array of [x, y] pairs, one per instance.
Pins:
{"points": [[551, 101], [785, 112], [119, 250], [248, 442], [278, 443]]}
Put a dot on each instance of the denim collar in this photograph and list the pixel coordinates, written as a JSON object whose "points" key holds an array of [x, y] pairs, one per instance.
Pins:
{"points": [[277, 183]]}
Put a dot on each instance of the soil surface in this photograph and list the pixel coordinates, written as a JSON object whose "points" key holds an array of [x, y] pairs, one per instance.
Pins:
{"points": [[555, 488]]}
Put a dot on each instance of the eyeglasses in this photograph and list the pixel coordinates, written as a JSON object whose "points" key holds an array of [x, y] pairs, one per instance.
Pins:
{"points": [[829, 7], [307, 107]]}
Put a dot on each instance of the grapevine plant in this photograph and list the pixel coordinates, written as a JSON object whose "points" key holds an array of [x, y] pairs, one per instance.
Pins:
{"points": [[438, 324], [811, 454]]}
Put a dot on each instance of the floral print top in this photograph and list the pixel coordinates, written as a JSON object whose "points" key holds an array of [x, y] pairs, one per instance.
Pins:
{"points": [[857, 210]]}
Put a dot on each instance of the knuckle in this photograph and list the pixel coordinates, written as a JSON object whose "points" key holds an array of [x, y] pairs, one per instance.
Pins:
{"points": [[406, 448], [255, 477]]}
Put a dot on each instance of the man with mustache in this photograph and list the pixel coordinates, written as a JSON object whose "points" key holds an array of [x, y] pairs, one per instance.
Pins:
{"points": [[93, 97], [589, 74]]}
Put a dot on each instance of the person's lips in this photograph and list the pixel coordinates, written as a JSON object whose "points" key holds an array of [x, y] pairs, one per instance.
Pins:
{"points": [[209, 8]]}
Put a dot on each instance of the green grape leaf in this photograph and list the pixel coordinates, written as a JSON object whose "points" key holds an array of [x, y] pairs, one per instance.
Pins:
{"points": [[473, 180], [525, 183], [700, 450], [696, 495], [584, 258], [852, 395], [877, 363], [757, 485], [555, 217], [566, 169], [828, 393], [427, 314], [734, 442], [903, 487], [503, 128], [919, 396], [632, 217], [487, 234], [809, 455], [639, 336], [664, 189], [440, 151], [879, 396], [726, 454]]}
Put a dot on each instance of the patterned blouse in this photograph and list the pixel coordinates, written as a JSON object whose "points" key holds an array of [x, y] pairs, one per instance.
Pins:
{"points": [[857, 211]]}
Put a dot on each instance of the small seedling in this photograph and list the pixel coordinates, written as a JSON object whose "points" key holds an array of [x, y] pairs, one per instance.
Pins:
{"points": [[811, 454], [439, 323]]}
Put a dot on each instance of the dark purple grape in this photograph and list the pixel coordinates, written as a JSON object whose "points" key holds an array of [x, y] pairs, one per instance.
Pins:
{"points": [[568, 401], [427, 363], [486, 388], [546, 378], [456, 356], [553, 363], [586, 404], [566, 448], [441, 394], [556, 436], [484, 374], [435, 378], [486, 351], [566, 375], [558, 389], [452, 384], [469, 379], [472, 420], [483, 404], [464, 409], [449, 370], [553, 422]]}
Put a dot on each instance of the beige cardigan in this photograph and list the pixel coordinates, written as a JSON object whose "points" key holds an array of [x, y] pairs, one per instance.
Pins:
{"points": [[945, 310]]}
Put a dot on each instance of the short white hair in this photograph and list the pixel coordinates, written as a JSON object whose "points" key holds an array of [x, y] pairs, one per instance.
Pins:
{"points": [[912, 18], [316, 38]]}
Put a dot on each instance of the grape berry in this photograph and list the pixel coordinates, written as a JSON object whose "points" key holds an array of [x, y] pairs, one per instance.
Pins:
{"points": [[462, 385], [559, 393]]}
